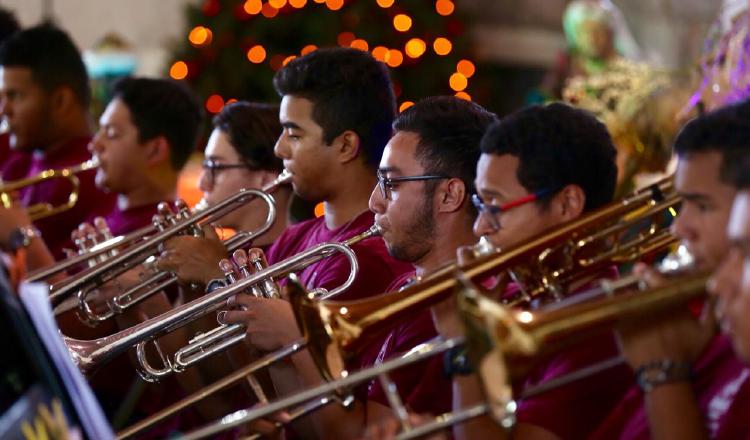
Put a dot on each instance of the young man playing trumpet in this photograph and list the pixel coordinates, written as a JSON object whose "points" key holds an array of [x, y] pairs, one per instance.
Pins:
{"points": [[540, 168], [688, 378], [44, 98], [239, 155]]}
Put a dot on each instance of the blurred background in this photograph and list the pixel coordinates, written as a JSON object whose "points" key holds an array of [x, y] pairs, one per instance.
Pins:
{"points": [[503, 54]]}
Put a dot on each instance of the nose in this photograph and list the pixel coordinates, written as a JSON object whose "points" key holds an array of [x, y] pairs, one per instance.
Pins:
{"points": [[482, 226], [96, 146], [376, 202], [724, 283], [281, 149], [204, 182], [681, 227]]}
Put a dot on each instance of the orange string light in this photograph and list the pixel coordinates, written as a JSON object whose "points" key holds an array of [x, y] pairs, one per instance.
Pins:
{"points": [[458, 82], [278, 4], [307, 49], [415, 47], [214, 103], [299, 4], [380, 53], [360, 44], [394, 58], [253, 7], [402, 22], [442, 46], [179, 70], [466, 68], [385, 3], [404, 105], [256, 54], [335, 5], [463, 95], [444, 7]]}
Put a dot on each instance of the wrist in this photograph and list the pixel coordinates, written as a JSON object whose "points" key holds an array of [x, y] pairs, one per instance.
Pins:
{"points": [[652, 374], [21, 237]]}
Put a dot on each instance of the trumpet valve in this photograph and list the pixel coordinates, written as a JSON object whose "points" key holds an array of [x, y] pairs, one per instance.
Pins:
{"points": [[165, 210], [269, 288], [159, 222], [240, 259], [227, 268]]}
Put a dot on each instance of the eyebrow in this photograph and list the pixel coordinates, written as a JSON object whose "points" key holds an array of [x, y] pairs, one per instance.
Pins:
{"points": [[388, 169], [214, 157], [490, 192], [289, 124], [695, 196]]}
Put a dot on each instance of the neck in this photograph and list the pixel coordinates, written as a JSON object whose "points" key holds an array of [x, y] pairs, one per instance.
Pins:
{"points": [[448, 239], [283, 200], [159, 187], [351, 198], [76, 128]]}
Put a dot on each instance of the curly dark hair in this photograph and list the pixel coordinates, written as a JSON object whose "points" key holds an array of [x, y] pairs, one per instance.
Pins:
{"points": [[253, 129], [557, 145], [161, 107], [349, 89]]}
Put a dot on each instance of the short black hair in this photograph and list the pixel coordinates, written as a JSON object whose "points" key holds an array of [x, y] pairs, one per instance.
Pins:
{"points": [[8, 24], [557, 145], [51, 56], [253, 129], [450, 130], [161, 107], [349, 89], [726, 131]]}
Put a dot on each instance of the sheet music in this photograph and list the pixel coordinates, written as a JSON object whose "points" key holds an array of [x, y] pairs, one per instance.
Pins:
{"points": [[35, 298]]}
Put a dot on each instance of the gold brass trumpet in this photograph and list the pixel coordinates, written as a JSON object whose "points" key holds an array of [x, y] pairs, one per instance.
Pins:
{"points": [[43, 210], [89, 355], [83, 284]]}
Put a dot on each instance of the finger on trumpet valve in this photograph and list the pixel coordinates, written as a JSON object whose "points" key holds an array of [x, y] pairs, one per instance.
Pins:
{"points": [[227, 268], [269, 288], [104, 234], [240, 259], [183, 211], [159, 222]]}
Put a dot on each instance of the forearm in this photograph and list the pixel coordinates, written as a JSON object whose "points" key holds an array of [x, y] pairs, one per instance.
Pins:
{"points": [[468, 393], [673, 412]]}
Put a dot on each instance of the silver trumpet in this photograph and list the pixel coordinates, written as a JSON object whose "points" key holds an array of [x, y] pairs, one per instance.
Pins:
{"points": [[83, 284], [88, 355]]}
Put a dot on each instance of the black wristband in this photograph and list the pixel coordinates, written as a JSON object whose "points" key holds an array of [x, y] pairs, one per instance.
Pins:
{"points": [[216, 283], [661, 372], [456, 362]]}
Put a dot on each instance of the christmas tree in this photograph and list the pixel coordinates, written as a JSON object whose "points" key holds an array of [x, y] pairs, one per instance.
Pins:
{"points": [[233, 48]]}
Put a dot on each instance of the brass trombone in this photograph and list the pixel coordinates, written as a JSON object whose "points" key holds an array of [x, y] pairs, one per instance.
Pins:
{"points": [[494, 332], [333, 330], [88, 355], [83, 284], [43, 210]]}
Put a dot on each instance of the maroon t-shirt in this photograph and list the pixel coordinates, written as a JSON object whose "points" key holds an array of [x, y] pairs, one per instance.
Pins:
{"points": [[574, 410], [91, 202], [423, 387], [377, 268], [121, 222], [721, 385]]}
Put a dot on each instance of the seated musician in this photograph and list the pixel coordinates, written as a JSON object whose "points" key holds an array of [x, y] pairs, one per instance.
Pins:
{"points": [[336, 112], [239, 155], [45, 94], [540, 168], [687, 376]]}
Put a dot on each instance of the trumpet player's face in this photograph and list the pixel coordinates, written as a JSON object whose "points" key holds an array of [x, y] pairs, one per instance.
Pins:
{"points": [[218, 184], [302, 148], [707, 201], [405, 215], [120, 154], [25, 106], [731, 281]]}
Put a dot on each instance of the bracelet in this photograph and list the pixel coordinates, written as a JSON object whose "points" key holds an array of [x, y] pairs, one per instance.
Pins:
{"points": [[660, 372], [21, 237], [456, 363]]}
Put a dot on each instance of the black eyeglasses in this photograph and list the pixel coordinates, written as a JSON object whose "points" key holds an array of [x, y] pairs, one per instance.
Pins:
{"points": [[211, 167], [493, 211], [386, 184]]}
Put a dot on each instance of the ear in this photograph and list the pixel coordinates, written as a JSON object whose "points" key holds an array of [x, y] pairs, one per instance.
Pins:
{"points": [[157, 151], [62, 99], [451, 195], [569, 203], [347, 146]]}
